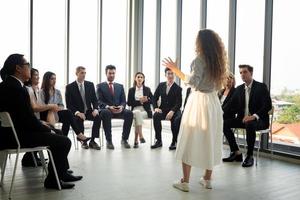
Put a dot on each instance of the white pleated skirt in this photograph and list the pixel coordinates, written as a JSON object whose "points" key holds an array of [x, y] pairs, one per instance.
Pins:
{"points": [[201, 131]]}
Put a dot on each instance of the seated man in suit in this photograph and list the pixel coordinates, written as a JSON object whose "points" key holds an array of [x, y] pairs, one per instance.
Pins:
{"points": [[171, 100], [82, 101], [112, 101], [251, 102], [31, 132]]}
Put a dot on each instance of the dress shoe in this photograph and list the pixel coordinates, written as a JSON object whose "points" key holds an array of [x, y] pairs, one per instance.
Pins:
{"points": [[136, 145], [156, 145], [109, 145], [52, 184], [84, 145], [248, 162], [30, 163], [83, 140], [70, 171], [234, 157], [94, 145], [206, 183], [142, 140], [172, 146], [181, 186], [125, 144], [70, 178]]}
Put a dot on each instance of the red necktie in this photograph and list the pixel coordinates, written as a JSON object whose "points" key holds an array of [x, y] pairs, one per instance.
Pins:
{"points": [[111, 90]]}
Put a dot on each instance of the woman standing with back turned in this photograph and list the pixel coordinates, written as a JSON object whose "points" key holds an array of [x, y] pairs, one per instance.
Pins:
{"points": [[201, 128]]}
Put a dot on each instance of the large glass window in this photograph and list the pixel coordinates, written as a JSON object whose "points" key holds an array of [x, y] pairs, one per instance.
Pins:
{"points": [[14, 23], [250, 37], [218, 18], [114, 37], [149, 43], [285, 87], [83, 38], [168, 32], [49, 39], [190, 28]]}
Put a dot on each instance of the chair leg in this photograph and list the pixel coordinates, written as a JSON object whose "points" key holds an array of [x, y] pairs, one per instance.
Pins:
{"points": [[258, 148], [271, 145], [34, 160], [102, 138], [3, 168], [54, 168], [14, 174], [41, 154], [151, 132], [75, 141]]}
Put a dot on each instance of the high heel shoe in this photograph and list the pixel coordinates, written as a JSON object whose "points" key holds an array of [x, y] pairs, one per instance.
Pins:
{"points": [[83, 140]]}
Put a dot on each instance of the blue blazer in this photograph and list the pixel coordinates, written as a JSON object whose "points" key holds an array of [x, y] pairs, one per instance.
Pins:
{"points": [[106, 99]]}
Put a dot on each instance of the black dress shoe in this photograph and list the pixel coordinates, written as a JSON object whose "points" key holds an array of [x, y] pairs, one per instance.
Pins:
{"points": [[156, 145], [70, 178], [136, 145], [83, 141], [84, 145], [94, 145], [109, 145], [125, 144], [52, 184], [30, 163], [70, 171], [248, 162], [172, 146], [142, 140], [234, 157]]}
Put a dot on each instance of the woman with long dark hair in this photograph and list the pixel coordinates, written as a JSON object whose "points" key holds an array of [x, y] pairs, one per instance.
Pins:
{"points": [[201, 128], [140, 100], [50, 95]]}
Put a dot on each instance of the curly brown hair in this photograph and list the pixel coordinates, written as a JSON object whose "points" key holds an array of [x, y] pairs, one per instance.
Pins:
{"points": [[210, 46]]}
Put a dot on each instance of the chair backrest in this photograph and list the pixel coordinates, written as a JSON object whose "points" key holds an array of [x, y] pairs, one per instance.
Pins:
{"points": [[7, 123]]}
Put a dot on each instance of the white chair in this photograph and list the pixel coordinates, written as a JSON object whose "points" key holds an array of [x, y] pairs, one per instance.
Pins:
{"points": [[7, 122], [259, 133], [58, 125]]}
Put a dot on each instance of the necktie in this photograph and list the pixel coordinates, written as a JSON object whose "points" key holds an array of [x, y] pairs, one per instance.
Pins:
{"points": [[82, 93], [111, 90], [168, 89], [247, 94]]}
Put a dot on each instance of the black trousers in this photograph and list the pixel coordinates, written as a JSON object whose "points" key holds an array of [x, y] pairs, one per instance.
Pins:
{"points": [[251, 128], [175, 124], [96, 123], [107, 115], [58, 144], [68, 119]]}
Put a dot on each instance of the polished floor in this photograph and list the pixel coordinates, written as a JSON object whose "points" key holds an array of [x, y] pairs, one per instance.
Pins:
{"points": [[148, 174]]}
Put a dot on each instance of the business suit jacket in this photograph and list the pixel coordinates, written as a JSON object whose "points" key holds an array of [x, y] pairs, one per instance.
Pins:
{"points": [[229, 114], [106, 99], [73, 97], [133, 103], [171, 101], [259, 102], [16, 102]]}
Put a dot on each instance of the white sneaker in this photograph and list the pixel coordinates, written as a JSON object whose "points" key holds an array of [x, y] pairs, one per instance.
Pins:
{"points": [[181, 186], [206, 183]]}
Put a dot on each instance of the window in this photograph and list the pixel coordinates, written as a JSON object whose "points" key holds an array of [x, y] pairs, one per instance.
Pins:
{"points": [[250, 37], [168, 33], [114, 38], [285, 87], [14, 23], [49, 39], [149, 43], [83, 38]]}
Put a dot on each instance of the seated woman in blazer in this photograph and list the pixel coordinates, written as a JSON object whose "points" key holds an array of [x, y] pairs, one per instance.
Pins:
{"points": [[140, 99]]}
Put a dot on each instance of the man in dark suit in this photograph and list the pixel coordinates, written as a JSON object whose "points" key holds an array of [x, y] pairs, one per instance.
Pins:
{"points": [[31, 132], [82, 101], [251, 102], [112, 101], [171, 100]]}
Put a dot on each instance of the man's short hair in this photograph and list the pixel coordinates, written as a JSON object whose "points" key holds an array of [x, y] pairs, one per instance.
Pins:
{"points": [[109, 67], [79, 68], [167, 69], [250, 68]]}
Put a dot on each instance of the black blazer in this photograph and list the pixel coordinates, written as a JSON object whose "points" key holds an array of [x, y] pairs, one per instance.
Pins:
{"points": [[73, 97], [228, 114], [16, 102], [259, 102], [172, 101], [133, 103], [106, 99]]}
